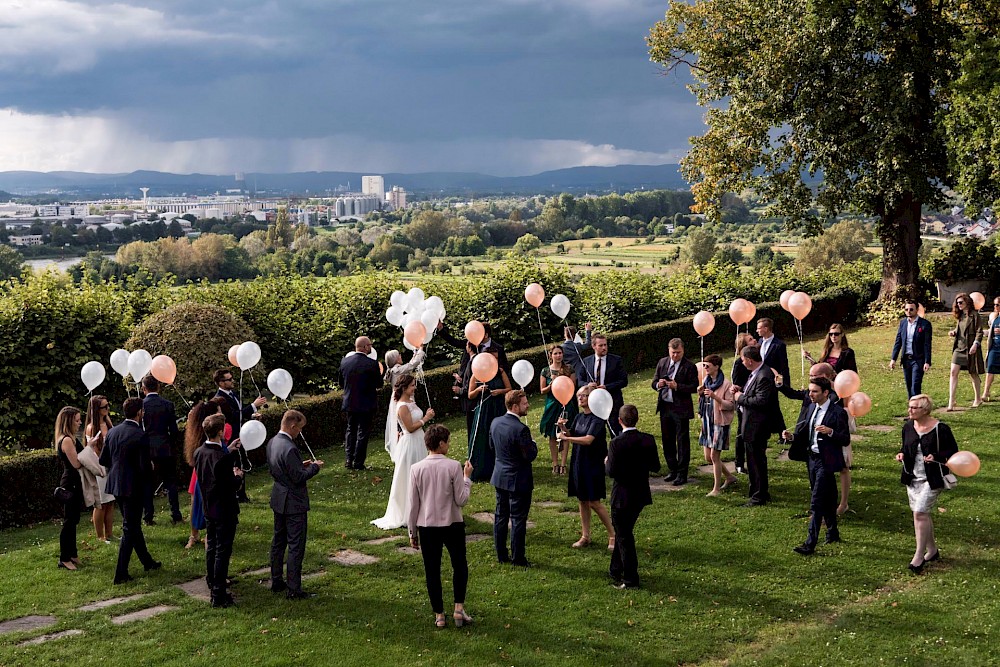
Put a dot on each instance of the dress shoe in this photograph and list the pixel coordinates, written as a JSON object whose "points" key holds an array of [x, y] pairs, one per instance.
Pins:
{"points": [[830, 539], [753, 503], [741, 470], [176, 520], [279, 586], [804, 549], [123, 580], [149, 522], [671, 476], [680, 481], [67, 565], [503, 560], [223, 602], [917, 569], [155, 565], [299, 595], [521, 563], [936, 556]]}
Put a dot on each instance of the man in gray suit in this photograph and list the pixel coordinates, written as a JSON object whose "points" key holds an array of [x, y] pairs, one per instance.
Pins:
{"points": [[290, 504], [512, 478]]}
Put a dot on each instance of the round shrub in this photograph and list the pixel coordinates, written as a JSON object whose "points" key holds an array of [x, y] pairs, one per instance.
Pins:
{"points": [[197, 336]]}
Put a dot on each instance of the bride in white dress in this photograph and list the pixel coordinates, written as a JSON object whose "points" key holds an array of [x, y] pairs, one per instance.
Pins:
{"points": [[406, 449]]}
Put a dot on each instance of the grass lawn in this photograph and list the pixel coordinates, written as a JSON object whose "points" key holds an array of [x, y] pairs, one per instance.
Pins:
{"points": [[721, 584]]}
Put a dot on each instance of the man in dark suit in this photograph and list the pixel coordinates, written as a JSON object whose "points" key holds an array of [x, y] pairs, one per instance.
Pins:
{"points": [[290, 504], [360, 379], [819, 439], [126, 458], [606, 371], [160, 422], [631, 457], [512, 478], [675, 380], [761, 417], [218, 469], [913, 342], [573, 351], [773, 351]]}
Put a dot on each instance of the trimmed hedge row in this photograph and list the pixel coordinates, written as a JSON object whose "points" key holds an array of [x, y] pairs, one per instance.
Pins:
{"points": [[27, 480]]}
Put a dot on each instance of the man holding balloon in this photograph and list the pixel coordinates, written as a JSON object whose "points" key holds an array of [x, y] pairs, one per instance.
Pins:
{"points": [[360, 379]]}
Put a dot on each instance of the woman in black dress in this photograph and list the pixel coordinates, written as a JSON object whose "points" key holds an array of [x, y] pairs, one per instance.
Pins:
{"points": [[739, 378], [586, 466], [67, 447]]}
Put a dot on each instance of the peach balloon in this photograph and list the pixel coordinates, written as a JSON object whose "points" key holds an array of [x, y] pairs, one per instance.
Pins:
{"points": [[753, 310], [921, 311], [859, 404], [414, 333], [163, 369], [963, 463], [799, 305], [474, 332], [232, 355], [563, 389], [485, 366], [704, 322], [702, 371], [846, 384], [534, 294], [785, 296], [739, 311], [978, 300]]}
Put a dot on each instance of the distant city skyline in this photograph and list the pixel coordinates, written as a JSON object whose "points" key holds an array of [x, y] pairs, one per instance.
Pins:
{"points": [[505, 88]]}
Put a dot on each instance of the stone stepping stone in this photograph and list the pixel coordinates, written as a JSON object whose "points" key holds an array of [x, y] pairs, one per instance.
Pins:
{"points": [[707, 469], [657, 485], [878, 428], [487, 517], [477, 537], [142, 614], [548, 504], [857, 438], [957, 408], [51, 637], [313, 575], [258, 572], [783, 456], [351, 557], [198, 589], [385, 540], [408, 550], [104, 604], [26, 623]]}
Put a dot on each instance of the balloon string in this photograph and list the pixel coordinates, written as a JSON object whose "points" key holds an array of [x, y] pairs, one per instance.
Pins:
{"points": [[182, 396], [541, 330], [254, 382], [475, 430], [798, 328]]}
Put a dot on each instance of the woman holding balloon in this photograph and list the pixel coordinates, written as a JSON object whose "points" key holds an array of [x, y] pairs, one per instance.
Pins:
{"points": [[487, 387], [554, 406], [836, 350], [98, 424], [966, 347]]}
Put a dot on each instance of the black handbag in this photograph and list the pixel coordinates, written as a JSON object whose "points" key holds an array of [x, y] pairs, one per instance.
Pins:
{"points": [[62, 494]]}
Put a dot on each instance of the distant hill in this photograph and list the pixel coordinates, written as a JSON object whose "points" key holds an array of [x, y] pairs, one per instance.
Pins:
{"points": [[574, 179]]}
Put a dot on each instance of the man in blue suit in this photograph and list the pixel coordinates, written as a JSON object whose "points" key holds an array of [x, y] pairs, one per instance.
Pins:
{"points": [[913, 341], [819, 439], [512, 478], [605, 371], [360, 379], [160, 421], [126, 458]]}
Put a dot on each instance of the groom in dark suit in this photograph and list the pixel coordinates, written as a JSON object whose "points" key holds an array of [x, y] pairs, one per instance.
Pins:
{"points": [[512, 478], [360, 379], [126, 458], [606, 371], [761, 417], [819, 439], [913, 346], [773, 350], [631, 457], [160, 422], [675, 380]]}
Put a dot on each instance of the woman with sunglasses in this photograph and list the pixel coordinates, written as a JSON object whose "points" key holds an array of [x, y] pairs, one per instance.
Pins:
{"points": [[993, 355], [966, 348], [96, 430], [836, 351]]}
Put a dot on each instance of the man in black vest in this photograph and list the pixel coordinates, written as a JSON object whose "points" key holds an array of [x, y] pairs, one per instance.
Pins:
{"points": [[360, 378]]}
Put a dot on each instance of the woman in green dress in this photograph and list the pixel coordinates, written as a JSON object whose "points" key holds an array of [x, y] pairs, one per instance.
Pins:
{"points": [[488, 399], [553, 409], [966, 347]]}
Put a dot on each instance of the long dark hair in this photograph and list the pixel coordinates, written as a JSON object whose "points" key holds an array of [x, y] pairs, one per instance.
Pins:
{"points": [[969, 306], [94, 415], [402, 383], [194, 434], [828, 343]]}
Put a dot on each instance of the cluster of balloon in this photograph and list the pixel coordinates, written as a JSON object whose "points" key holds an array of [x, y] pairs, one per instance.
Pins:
{"points": [[798, 304], [704, 323], [846, 384], [600, 403], [417, 314], [534, 294], [742, 311], [522, 372], [245, 356], [978, 300], [963, 463]]}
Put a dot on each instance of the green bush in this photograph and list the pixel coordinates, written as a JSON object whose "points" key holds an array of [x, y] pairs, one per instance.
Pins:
{"points": [[26, 484]]}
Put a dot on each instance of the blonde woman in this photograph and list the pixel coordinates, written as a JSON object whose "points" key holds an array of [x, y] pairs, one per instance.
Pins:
{"points": [[67, 448]]}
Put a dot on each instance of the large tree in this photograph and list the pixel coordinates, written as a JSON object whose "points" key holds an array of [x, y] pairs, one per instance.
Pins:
{"points": [[822, 106]]}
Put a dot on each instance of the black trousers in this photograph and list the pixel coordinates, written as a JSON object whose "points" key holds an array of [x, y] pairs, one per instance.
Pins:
{"points": [[676, 433], [67, 534], [132, 537], [823, 504], [219, 537], [741, 448], [432, 541], [624, 559], [513, 507], [164, 468], [359, 427], [757, 469], [289, 532]]}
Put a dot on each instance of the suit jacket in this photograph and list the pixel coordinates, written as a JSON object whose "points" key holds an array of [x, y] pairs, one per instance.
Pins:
{"points": [[687, 383], [237, 413], [361, 379], [831, 447], [126, 458], [573, 354], [777, 357], [631, 457], [289, 494], [921, 341], [761, 412], [515, 450], [160, 422], [214, 465], [615, 377]]}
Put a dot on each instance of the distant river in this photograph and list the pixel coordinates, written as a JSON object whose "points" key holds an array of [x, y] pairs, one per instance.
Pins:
{"points": [[61, 265]]}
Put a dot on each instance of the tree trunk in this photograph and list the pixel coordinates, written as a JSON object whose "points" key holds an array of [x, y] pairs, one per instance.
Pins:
{"points": [[899, 229]]}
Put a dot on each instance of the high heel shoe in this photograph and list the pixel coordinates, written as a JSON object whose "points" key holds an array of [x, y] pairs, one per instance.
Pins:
{"points": [[582, 542], [67, 565], [936, 556], [440, 621], [461, 618], [917, 569], [191, 542]]}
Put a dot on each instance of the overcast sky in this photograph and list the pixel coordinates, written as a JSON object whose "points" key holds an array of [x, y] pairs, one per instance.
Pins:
{"points": [[505, 87]]}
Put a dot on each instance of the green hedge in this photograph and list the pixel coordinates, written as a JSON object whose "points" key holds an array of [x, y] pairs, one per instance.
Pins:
{"points": [[26, 484]]}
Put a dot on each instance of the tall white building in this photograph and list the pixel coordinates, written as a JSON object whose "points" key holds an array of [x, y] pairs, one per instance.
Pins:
{"points": [[397, 198], [373, 185]]}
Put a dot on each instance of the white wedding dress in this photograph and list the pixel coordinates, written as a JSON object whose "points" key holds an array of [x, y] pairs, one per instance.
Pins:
{"points": [[406, 450]]}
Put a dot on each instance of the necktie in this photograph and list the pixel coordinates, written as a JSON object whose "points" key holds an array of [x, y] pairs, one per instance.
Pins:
{"points": [[597, 371], [670, 376], [812, 429]]}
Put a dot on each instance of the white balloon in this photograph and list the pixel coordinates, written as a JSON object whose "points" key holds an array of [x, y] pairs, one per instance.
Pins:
{"points": [[560, 306], [414, 298], [373, 355], [600, 403], [252, 434], [429, 335], [119, 362], [394, 315], [430, 321], [139, 362], [417, 309], [247, 355], [397, 299], [92, 374], [435, 305], [523, 372], [409, 317], [407, 345], [279, 381]]}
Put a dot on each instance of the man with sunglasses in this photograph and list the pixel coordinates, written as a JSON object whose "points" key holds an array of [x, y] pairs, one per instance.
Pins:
{"points": [[913, 342]]}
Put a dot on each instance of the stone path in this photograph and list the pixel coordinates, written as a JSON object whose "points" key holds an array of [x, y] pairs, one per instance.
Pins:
{"points": [[857, 438], [707, 469], [385, 540], [548, 504], [878, 428], [957, 408], [26, 623], [408, 550], [476, 537], [487, 517], [351, 557], [657, 485], [104, 604], [198, 589], [142, 614], [51, 637]]}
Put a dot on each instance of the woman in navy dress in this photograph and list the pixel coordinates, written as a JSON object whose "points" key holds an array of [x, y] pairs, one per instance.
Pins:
{"points": [[587, 433]]}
